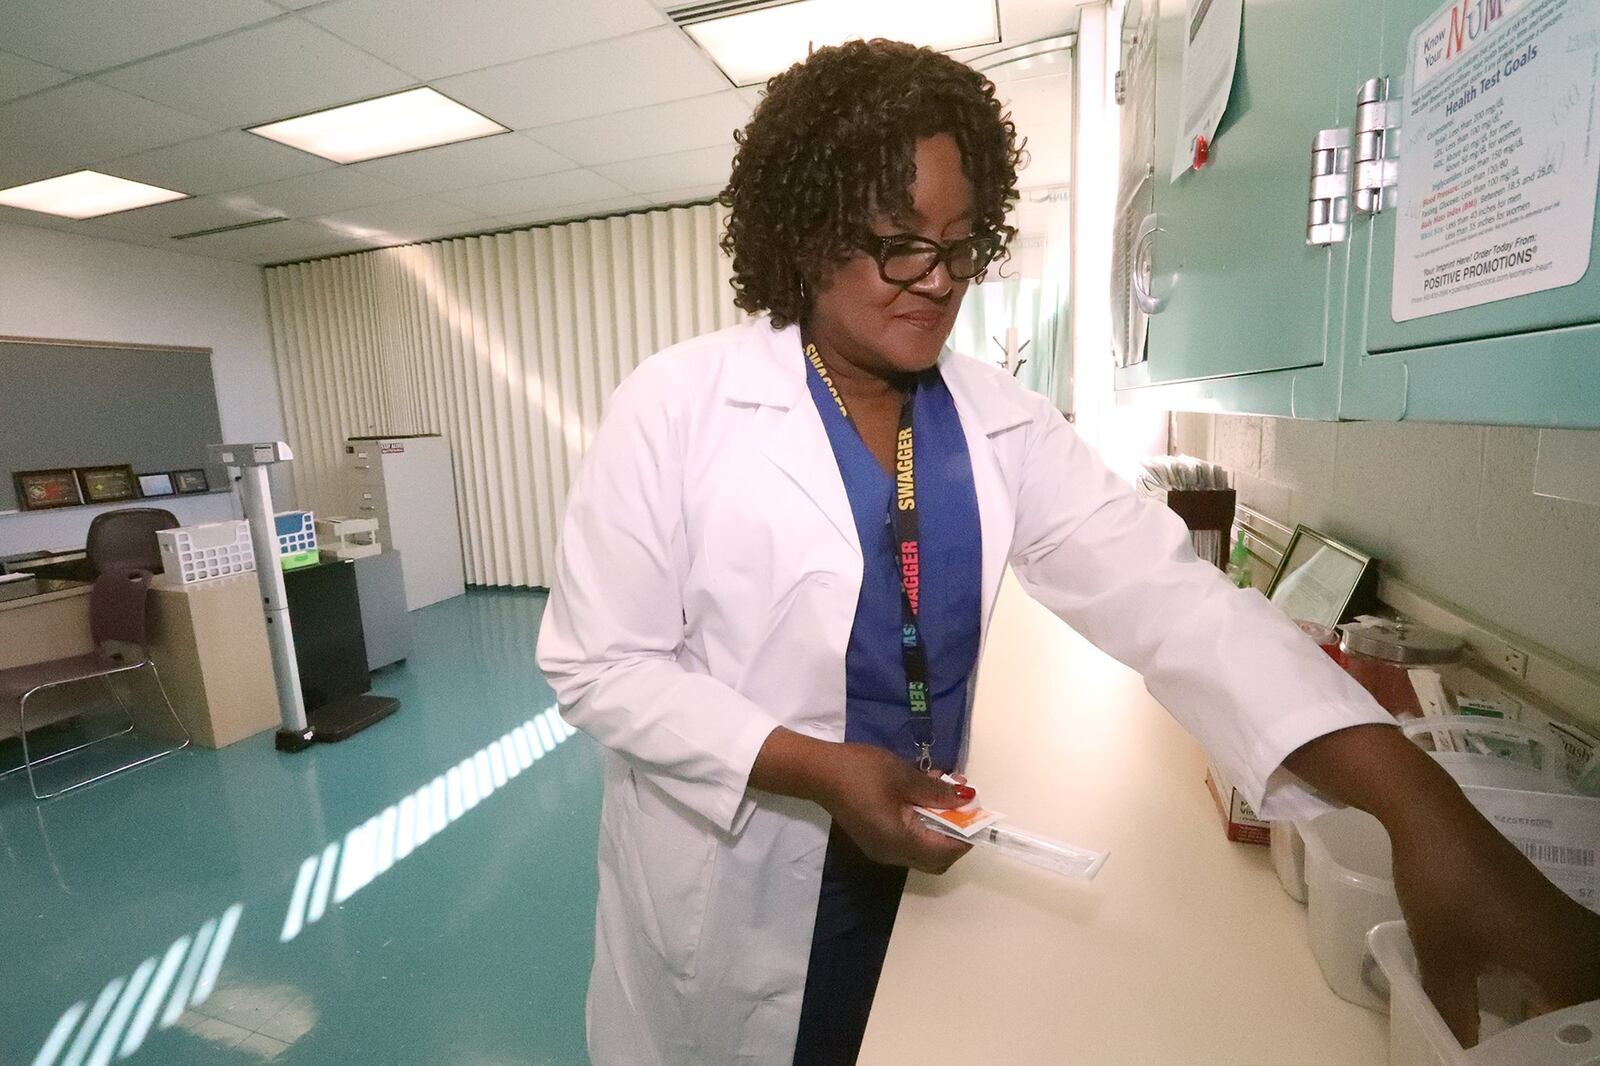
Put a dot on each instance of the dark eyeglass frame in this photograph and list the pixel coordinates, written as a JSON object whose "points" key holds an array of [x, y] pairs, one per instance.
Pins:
{"points": [[879, 248]]}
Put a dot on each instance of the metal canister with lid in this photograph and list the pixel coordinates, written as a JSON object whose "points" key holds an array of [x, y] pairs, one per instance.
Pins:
{"points": [[1379, 651]]}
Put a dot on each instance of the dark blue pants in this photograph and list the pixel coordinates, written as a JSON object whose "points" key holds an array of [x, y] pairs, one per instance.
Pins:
{"points": [[855, 915]]}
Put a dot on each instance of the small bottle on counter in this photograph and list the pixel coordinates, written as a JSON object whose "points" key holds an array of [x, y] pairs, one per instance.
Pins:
{"points": [[1239, 565]]}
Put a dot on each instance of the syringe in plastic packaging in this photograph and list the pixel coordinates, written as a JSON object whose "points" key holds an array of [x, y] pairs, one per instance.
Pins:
{"points": [[1078, 863]]}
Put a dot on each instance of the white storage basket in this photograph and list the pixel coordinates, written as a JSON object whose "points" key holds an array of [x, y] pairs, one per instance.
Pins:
{"points": [[200, 553], [1419, 1037]]}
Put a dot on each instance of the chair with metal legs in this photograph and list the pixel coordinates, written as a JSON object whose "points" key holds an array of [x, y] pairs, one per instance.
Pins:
{"points": [[117, 625]]}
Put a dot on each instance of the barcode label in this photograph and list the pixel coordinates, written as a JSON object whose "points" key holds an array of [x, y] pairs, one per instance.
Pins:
{"points": [[1558, 854]]}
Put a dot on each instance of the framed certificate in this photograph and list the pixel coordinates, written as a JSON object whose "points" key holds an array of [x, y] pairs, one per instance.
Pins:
{"points": [[1321, 580], [107, 484], [189, 481], [40, 490], [155, 485]]}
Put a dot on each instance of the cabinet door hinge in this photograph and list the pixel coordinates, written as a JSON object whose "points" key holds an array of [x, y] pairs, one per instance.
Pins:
{"points": [[1328, 218], [1375, 169]]}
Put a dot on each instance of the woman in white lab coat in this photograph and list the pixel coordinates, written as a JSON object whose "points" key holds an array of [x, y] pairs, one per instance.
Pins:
{"points": [[780, 558]]}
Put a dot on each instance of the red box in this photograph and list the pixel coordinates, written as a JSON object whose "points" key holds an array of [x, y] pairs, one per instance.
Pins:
{"points": [[1238, 819]]}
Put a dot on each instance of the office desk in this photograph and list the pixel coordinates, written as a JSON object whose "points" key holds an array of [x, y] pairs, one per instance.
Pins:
{"points": [[1184, 950], [209, 640], [51, 625]]}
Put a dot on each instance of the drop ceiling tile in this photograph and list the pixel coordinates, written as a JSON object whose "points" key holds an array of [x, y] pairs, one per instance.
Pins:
{"points": [[220, 162], [676, 170], [412, 35], [457, 166], [180, 216], [642, 68], [537, 194], [89, 35], [704, 122], [37, 219], [572, 212], [418, 218], [279, 70], [688, 194], [322, 193], [260, 240], [82, 123], [19, 76]]}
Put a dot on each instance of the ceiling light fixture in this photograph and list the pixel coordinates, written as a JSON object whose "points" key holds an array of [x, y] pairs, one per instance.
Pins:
{"points": [[400, 122], [86, 194], [751, 40], [231, 228]]}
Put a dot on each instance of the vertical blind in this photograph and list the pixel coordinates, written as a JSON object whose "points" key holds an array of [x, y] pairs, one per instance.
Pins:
{"points": [[507, 344]]}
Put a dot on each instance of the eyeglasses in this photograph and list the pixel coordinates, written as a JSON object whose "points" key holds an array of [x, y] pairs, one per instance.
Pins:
{"points": [[905, 258]]}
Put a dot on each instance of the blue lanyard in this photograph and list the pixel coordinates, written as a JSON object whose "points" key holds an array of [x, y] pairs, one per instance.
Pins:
{"points": [[903, 515]]}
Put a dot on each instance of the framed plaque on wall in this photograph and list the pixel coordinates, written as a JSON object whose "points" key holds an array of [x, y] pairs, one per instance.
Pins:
{"points": [[40, 490], [107, 484], [187, 481]]}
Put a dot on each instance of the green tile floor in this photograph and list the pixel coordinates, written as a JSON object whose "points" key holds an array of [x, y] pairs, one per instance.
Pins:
{"points": [[420, 893]]}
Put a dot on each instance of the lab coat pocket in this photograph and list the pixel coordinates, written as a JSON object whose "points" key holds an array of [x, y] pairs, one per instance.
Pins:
{"points": [[671, 860]]}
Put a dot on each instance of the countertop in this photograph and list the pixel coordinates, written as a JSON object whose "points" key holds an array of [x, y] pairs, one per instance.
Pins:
{"points": [[1184, 949]]}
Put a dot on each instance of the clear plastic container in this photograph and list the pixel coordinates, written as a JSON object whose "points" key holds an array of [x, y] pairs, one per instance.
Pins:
{"points": [[1289, 859], [1349, 889], [1379, 652], [1419, 1037]]}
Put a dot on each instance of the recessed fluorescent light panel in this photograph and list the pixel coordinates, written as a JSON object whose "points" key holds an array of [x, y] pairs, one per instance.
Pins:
{"points": [[86, 194], [753, 41], [389, 125]]}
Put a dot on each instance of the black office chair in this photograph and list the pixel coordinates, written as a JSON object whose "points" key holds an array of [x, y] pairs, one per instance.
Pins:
{"points": [[126, 539]]}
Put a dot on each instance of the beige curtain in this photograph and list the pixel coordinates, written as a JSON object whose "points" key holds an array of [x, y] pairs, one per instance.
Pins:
{"points": [[509, 345]]}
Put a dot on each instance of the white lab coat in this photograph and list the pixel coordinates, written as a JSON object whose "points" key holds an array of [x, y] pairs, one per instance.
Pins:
{"points": [[707, 581]]}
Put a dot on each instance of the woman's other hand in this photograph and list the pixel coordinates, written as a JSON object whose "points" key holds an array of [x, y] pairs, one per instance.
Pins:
{"points": [[1473, 903], [870, 794]]}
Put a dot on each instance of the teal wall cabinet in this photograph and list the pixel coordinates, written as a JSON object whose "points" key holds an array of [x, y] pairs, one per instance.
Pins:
{"points": [[1254, 319], [1497, 157]]}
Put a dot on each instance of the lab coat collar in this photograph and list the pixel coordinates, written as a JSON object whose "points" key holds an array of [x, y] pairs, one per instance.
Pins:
{"points": [[774, 376]]}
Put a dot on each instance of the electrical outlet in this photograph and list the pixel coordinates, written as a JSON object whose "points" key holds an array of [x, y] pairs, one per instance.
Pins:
{"points": [[1513, 661]]}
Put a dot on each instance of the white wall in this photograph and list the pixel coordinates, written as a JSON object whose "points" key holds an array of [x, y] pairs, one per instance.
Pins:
{"points": [[70, 287]]}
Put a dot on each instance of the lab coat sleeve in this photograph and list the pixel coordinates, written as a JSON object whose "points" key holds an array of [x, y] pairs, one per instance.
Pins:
{"points": [[612, 630], [1234, 672]]}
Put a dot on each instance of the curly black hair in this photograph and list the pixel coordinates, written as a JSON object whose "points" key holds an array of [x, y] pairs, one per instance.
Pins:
{"points": [[833, 142]]}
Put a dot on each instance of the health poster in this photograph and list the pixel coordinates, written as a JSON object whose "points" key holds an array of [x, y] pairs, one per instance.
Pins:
{"points": [[1498, 160]]}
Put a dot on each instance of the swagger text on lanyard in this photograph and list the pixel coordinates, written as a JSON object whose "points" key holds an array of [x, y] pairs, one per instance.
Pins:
{"points": [[904, 514]]}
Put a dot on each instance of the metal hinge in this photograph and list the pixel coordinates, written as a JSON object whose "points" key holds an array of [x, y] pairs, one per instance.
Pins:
{"points": [[1328, 217], [1375, 168]]}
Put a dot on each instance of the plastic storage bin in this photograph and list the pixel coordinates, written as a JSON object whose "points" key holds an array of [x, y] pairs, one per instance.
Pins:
{"points": [[203, 552], [1289, 859], [1448, 736], [297, 539], [1419, 1037], [1349, 889]]}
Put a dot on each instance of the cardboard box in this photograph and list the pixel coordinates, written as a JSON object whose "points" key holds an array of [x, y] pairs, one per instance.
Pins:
{"points": [[1238, 819]]}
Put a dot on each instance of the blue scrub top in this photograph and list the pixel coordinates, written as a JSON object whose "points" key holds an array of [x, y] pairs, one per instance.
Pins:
{"points": [[951, 550], [858, 899]]}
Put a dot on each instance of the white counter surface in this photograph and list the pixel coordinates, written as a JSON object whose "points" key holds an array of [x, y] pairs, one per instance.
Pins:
{"points": [[1184, 950]]}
